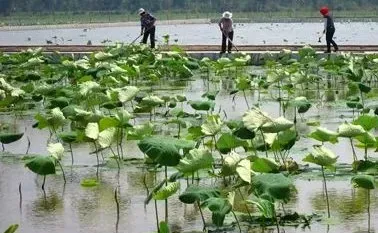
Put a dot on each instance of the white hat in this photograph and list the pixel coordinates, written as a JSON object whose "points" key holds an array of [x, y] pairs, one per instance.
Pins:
{"points": [[227, 15], [141, 11]]}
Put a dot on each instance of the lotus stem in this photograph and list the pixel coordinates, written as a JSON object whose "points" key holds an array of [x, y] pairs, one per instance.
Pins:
{"points": [[64, 174], [157, 217], [20, 193], [166, 200], [72, 156], [368, 209], [120, 144], [117, 143], [145, 184], [246, 100], [266, 148], [115, 157], [117, 204], [353, 150], [43, 184], [277, 223], [237, 221], [202, 217], [2, 144], [246, 206], [326, 192], [362, 99], [98, 161], [366, 154], [29, 144]]}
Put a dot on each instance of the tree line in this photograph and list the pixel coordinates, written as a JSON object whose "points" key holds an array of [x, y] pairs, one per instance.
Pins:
{"points": [[207, 6]]}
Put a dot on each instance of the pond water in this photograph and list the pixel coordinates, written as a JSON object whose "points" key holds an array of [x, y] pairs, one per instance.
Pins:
{"points": [[245, 34], [72, 208]]}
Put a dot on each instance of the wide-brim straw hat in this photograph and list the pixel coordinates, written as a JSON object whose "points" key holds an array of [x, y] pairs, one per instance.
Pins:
{"points": [[227, 15], [141, 11]]}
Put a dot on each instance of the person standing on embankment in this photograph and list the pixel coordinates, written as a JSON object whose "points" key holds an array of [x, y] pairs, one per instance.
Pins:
{"points": [[226, 27], [329, 29], [148, 27]]}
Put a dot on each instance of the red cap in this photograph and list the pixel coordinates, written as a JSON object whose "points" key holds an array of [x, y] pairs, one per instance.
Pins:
{"points": [[324, 10]]}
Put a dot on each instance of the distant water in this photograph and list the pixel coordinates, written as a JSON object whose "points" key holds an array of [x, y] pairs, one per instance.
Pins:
{"points": [[251, 33]]}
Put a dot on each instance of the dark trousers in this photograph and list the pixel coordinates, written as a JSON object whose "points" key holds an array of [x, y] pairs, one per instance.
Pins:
{"points": [[230, 35], [150, 32], [329, 39]]}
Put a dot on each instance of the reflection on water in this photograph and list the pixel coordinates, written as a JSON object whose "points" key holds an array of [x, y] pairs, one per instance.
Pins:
{"points": [[72, 208]]}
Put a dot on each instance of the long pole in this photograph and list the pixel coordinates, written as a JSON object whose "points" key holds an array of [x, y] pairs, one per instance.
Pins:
{"points": [[141, 35], [230, 41]]}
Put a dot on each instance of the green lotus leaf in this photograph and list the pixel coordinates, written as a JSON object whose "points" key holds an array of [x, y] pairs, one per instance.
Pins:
{"points": [[92, 131], [56, 150], [219, 208], [202, 105], [167, 191], [195, 194], [41, 165], [276, 186], [7, 138], [348, 130], [196, 160], [364, 181], [265, 165], [255, 118], [227, 142], [164, 150], [368, 122], [277, 125], [212, 125], [321, 156], [107, 137], [324, 135]]}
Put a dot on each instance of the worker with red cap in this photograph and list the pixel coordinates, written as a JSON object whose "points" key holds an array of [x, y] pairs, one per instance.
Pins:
{"points": [[329, 29]]}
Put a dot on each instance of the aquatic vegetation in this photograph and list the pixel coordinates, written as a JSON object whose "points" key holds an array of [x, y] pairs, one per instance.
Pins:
{"points": [[12, 229], [210, 156]]}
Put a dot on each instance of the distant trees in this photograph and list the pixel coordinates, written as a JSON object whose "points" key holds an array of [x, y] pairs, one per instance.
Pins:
{"points": [[8, 6], [5, 6]]}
